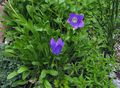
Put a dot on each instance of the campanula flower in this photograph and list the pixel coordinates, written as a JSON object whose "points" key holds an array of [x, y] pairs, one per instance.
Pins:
{"points": [[76, 20], [56, 46]]}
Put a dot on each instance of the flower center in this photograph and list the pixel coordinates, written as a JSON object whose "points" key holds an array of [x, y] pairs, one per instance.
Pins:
{"points": [[74, 20]]}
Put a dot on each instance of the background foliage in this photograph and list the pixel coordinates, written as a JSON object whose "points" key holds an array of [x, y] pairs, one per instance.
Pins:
{"points": [[7, 65], [85, 61]]}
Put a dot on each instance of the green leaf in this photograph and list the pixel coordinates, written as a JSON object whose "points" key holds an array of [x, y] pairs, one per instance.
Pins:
{"points": [[31, 48], [43, 75], [9, 53], [61, 1], [19, 82], [52, 72], [30, 10], [25, 75], [68, 78], [11, 75], [35, 63], [47, 84], [45, 72], [22, 69]]}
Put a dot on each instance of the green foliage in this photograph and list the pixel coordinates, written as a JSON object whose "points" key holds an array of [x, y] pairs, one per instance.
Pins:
{"points": [[6, 66], [82, 63]]}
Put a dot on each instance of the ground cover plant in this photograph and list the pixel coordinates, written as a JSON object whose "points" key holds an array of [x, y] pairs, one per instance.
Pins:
{"points": [[61, 43]]}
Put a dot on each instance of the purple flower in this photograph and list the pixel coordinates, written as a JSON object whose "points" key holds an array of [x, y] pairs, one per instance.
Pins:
{"points": [[76, 20], [56, 46]]}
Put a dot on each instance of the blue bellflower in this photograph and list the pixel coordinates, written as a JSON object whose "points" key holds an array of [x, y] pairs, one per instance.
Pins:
{"points": [[56, 46], [76, 20]]}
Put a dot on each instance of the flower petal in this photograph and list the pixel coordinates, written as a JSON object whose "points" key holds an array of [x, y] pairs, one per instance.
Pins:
{"points": [[57, 50], [60, 42], [71, 17], [74, 25], [81, 24], [52, 43], [80, 17]]}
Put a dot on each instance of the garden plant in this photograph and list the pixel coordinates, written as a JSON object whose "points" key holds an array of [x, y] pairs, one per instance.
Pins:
{"points": [[60, 43]]}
